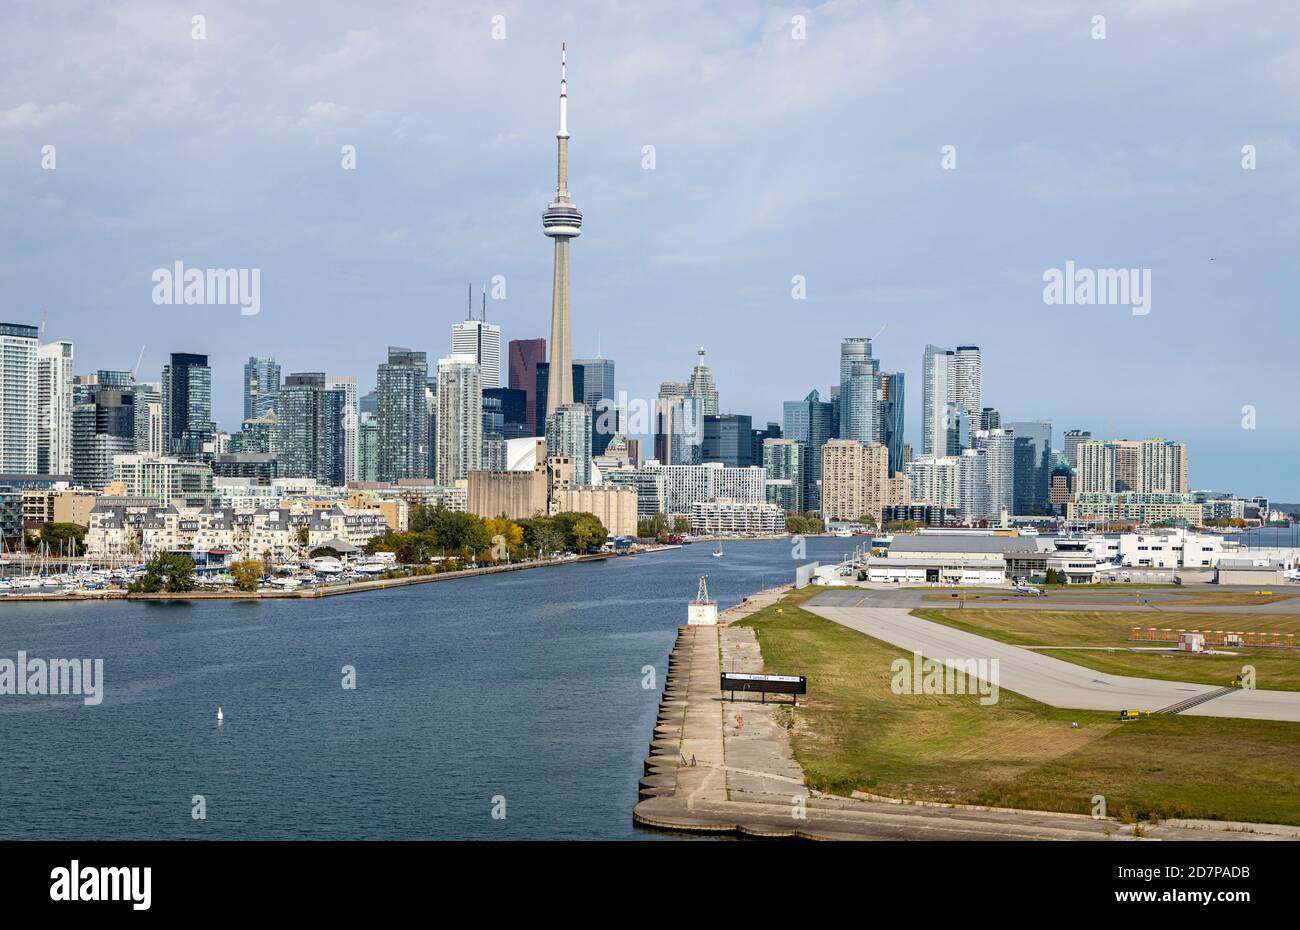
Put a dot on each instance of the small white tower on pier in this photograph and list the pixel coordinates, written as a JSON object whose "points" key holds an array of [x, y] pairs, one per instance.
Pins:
{"points": [[702, 611]]}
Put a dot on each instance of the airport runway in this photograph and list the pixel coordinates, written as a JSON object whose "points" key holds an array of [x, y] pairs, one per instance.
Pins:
{"points": [[1039, 676], [1120, 602]]}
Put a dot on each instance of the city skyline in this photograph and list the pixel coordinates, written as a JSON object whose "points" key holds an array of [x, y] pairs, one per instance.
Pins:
{"points": [[648, 287]]}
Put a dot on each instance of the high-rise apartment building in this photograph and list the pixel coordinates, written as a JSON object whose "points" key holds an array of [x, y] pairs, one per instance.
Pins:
{"points": [[892, 397], [187, 406], [784, 461], [460, 419], [934, 480], [304, 438], [568, 436], [403, 415], [1033, 465], [973, 486], [1000, 469], [951, 391], [342, 408], [261, 385], [859, 404], [855, 480], [54, 408], [18, 398]]}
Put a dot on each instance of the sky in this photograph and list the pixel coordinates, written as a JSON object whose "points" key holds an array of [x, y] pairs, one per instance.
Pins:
{"points": [[795, 148]]}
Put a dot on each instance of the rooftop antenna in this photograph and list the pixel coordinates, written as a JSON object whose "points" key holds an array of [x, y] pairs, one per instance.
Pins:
{"points": [[484, 312], [469, 301]]}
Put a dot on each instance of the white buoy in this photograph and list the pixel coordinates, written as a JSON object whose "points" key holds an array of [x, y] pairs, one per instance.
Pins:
{"points": [[220, 715]]}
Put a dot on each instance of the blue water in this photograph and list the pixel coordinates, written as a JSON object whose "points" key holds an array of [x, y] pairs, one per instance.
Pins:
{"points": [[525, 685]]}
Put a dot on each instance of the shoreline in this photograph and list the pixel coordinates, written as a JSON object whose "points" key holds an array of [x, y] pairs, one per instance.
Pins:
{"points": [[356, 587]]}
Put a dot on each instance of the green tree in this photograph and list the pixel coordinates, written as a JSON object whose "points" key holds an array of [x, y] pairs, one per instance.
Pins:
{"points": [[653, 527], [588, 533], [169, 572], [246, 573], [63, 538], [681, 524]]}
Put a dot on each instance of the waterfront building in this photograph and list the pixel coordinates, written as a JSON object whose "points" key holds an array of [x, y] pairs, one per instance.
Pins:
{"points": [[1094, 467], [724, 517], [856, 482], [403, 415], [1133, 505], [683, 485], [261, 385], [187, 406], [648, 485], [19, 407]]}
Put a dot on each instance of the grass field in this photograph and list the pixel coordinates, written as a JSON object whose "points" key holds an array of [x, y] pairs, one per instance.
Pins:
{"points": [[852, 732], [1276, 669]]}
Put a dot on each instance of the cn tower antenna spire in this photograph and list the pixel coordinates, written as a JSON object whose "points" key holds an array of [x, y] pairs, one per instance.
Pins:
{"points": [[562, 222]]}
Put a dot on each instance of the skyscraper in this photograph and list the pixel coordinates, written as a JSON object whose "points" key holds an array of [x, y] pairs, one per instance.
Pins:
{"points": [[729, 439], [18, 393], [562, 221], [858, 393], [261, 384], [1033, 465], [936, 415], [598, 394], [568, 434], [102, 428], [892, 397], [403, 415], [966, 381], [346, 444], [701, 385], [809, 421], [525, 354], [459, 426], [304, 449], [482, 340], [187, 406], [54, 409]]}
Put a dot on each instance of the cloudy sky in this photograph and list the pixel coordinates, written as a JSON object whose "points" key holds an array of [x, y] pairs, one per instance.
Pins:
{"points": [[779, 151]]}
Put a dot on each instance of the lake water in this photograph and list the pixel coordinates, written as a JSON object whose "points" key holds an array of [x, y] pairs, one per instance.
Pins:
{"points": [[524, 685]]}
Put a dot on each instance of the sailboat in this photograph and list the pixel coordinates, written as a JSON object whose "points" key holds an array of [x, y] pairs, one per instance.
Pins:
{"points": [[717, 553], [220, 715]]}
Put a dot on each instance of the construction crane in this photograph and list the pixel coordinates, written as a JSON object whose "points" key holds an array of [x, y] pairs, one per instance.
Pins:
{"points": [[138, 360]]}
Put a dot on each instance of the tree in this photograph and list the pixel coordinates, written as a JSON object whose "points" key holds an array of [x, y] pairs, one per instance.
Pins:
{"points": [[63, 538], [681, 524], [246, 573], [542, 533], [652, 527], [867, 520], [304, 535], [588, 533], [169, 572]]}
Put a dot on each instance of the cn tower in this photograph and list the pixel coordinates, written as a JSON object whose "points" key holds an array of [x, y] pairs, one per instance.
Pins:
{"points": [[562, 221]]}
